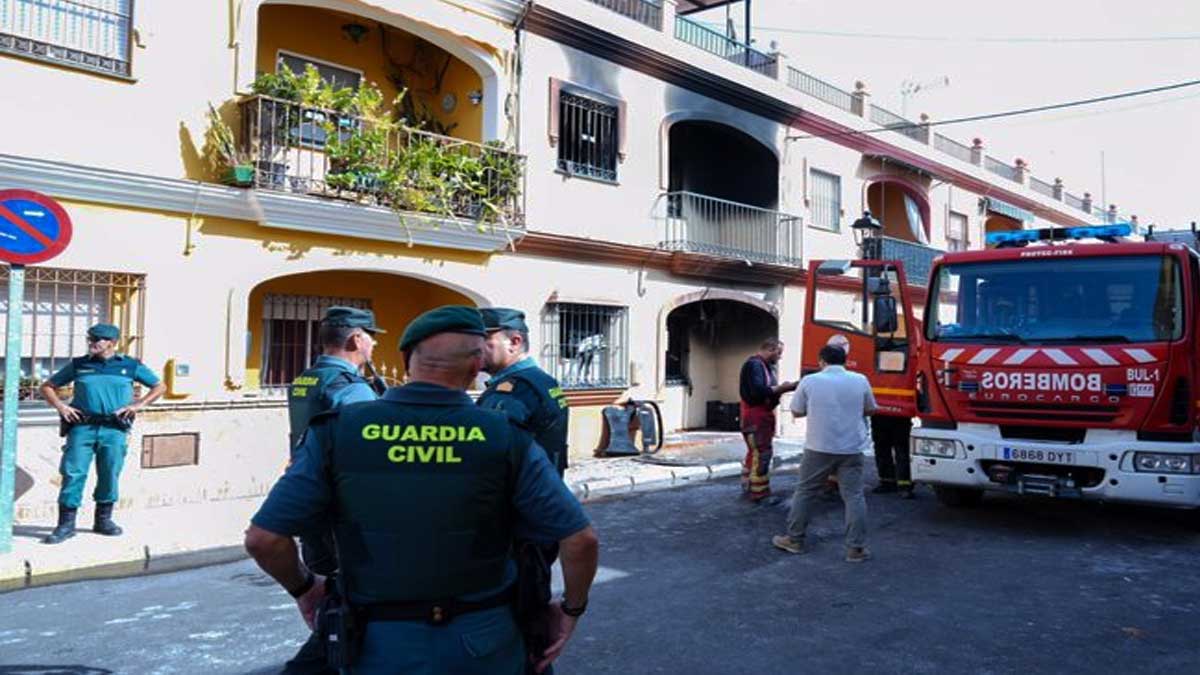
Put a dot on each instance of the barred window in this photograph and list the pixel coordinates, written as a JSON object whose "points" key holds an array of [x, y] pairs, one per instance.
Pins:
{"points": [[88, 34], [956, 232], [586, 346], [60, 305], [826, 200], [588, 137], [289, 339]]}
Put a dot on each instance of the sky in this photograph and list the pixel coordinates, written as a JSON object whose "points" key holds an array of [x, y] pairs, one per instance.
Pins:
{"points": [[1150, 144]]}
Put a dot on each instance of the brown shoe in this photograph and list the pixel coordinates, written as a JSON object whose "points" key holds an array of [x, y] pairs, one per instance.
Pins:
{"points": [[857, 554], [786, 543]]}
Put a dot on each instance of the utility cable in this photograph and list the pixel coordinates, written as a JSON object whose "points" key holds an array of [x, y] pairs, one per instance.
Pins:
{"points": [[1006, 113], [907, 37]]}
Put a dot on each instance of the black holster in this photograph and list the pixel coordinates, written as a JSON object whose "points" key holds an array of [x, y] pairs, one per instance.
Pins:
{"points": [[339, 628], [533, 598]]}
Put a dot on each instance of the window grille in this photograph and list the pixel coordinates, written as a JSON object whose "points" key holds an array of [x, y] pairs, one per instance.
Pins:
{"points": [[88, 34], [586, 346], [289, 338], [826, 200], [588, 142], [60, 305], [956, 232]]}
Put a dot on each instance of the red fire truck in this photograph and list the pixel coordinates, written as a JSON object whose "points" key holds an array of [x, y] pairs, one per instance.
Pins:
{"points": [[1049, 366], [1045, 366]]}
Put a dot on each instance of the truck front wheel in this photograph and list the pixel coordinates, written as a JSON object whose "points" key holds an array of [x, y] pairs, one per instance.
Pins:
{"points": [[958, 497]]}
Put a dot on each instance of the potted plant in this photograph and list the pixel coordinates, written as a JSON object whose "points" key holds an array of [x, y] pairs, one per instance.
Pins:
{"points": [[234, 165]]}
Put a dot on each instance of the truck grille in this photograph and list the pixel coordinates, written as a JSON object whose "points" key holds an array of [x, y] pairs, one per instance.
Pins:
{"points": [[1094, 414]]}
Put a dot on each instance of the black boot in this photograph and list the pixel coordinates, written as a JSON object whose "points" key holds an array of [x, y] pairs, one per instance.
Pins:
{"points": [[104, 524], [66, 526]]}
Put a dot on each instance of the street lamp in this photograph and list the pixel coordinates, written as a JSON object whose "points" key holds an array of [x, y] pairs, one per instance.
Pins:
{"points": [[865, 230]]}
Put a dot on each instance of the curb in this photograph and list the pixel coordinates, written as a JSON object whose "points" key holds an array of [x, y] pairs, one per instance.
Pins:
{"points": [[670, 477], [655, 478]]}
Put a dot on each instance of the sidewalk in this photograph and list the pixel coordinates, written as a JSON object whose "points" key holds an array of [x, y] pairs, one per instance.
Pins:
{"points": [[176, 537]]}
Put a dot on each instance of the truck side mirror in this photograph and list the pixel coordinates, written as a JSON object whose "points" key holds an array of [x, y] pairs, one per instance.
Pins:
{"points": [[886, 320]]}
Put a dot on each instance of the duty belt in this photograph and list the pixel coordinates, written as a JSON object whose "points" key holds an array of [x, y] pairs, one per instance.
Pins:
{"points": [[435, 612]]}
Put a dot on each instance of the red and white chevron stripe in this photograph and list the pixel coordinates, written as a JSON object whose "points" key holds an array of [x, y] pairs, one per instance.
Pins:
{"points": [[1049, 356]]}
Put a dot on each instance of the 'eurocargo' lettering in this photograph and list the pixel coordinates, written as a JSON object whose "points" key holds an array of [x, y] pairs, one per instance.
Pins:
{"points": [[1032, 381]]}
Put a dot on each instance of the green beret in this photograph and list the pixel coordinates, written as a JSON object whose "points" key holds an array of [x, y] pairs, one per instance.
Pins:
{"points": [[104, 331], [504, 318], [351, 317], [444, 319]]}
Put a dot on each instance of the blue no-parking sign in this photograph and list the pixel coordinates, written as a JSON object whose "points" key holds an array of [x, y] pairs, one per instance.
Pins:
{"points": [[33, 227]]}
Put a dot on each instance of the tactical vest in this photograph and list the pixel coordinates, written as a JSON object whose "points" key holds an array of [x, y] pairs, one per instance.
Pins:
{"points": [[550, 418], [308, 395], [423, 499]]}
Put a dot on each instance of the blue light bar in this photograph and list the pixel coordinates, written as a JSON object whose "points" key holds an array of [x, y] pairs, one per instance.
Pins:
{"points": [[1022, 237]]}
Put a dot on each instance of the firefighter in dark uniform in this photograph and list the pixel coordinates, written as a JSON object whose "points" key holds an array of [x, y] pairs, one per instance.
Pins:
{"points": [[97, 423], [426, 492], [520, 389], [891, 437], [347, 338]]}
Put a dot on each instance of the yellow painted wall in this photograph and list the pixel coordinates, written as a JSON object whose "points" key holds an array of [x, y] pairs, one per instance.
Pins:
{"points": [[317, 33], [395, 299]]}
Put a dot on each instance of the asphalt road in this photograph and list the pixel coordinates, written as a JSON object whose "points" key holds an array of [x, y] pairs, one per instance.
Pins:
{"points": [[690, 584]]}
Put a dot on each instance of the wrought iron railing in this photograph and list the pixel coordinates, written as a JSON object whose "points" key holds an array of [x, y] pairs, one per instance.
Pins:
{"points": [[90, 34], [1000, 168], [819, 89], [890, 120], [325, 153], [701, 224], [714, 42], [916, 258], [952, 147], [646, 12], [1041, 187]]}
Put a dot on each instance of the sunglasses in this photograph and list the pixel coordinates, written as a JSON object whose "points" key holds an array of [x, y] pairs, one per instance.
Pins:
{"points": [[94, 340]]}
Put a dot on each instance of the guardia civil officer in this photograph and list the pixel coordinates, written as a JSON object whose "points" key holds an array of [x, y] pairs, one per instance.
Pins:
{"points": [[531, 398], [425, 492], [520, 389], [347, 338], [97, 423]]}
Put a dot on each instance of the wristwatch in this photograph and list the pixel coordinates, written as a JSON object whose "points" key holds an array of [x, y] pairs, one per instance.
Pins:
{"points": [[573, 612], [309, 581]]}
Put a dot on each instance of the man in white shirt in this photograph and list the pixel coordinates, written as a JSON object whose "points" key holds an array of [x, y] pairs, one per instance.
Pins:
{"points": [[835, 401]]}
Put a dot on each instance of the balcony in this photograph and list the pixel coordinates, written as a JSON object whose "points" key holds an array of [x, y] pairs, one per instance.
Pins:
{"points": [[330, 154], [916, 258], [646, 12], [714, 42], [696, 223]]}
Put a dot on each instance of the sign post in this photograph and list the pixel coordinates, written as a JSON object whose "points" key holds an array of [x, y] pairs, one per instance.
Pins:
{"points": [[33, 229]]}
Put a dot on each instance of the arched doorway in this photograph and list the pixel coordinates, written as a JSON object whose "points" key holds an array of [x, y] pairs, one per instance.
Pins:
{"points": [[997, 222], [283, 313], [901, 208], [706, 342]]}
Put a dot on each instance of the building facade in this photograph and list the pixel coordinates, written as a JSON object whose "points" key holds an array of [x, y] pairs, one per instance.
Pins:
{"points": [[646, 189]]}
